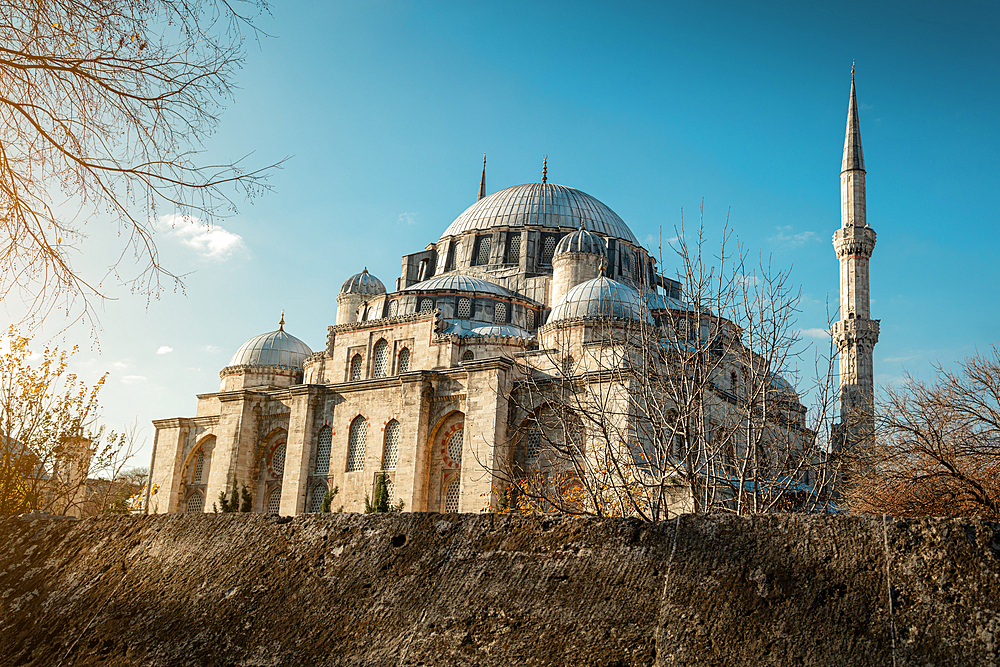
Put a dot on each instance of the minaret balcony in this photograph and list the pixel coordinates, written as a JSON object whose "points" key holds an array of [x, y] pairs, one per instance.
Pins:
{"points": [[854, 241]]}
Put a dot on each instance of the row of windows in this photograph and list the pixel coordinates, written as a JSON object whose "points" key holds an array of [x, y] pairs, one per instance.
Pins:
{"points": [[484, 244], [380, 365], [357, 441]]}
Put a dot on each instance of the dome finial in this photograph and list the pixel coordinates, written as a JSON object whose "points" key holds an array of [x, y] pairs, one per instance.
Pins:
{"points": [[482, 181], [281, 324], [545, 169]]}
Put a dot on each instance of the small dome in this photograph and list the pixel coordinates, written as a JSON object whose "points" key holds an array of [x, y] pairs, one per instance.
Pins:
{"points": [[601, 298], [541, 205], [459, 283], [276, 348], [582, 241], [363, 283]]}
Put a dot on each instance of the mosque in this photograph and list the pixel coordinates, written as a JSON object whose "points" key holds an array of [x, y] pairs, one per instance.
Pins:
{"points": [[418, 381]]}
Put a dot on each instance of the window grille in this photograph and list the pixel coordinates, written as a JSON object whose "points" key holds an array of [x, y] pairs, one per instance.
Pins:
{"points": [[274, 501], [468, 355], [426, 305], [533, 444], [356, 367], [404, 360], [451, 495], [393, 308], [380, 357], [514, 248], [356, 444], [316, 499], [567, 365], [483, 257], [530, 317], [390, 455], [455, 441], [199, 467], [449, 264], [500, 313], [194, 503], [464, 308], [278, 460], [323, 445], [548, 249]]}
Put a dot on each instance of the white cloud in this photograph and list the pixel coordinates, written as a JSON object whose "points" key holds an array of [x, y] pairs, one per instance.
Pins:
{"points": [[786, 238], [133, 379], [408, 218], [120, 365], [210, 241], [164, 349], [900, 360], [820, 334], [212, 349]]}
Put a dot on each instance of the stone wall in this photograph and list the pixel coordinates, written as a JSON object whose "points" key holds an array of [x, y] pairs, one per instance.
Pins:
{"points": [[431, 589]]}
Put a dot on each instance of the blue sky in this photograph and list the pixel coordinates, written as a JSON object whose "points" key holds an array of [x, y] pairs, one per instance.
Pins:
{"points": [[385, 110]]}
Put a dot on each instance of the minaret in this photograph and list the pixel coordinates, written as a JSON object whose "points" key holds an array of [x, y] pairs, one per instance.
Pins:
{"points": [[856, 333]]}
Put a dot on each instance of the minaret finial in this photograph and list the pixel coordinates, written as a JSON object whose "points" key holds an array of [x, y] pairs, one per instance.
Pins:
{"points": [[854, 157], [281, 324], [482, 182], [545, 169]]}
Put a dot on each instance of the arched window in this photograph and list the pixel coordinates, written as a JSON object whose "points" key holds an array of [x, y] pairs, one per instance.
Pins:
{"points": [[468, 355], [455, 442], [567, 365], [390, 454], [199, 467], [464, 308], [316, 497], [483, 256], [404, 361], [548, 249], [426, 305], [274, 501], [514, 248], [356, 367], [530, 319], [278, 460], [323, 443], [500, 312], [195, 503], [533, 444], [380, 357], [356, 441], [451, 494], [734, 381], [393, 308]]}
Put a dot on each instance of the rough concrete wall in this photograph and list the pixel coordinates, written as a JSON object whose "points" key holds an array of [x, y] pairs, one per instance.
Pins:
{"points": [[428, 589]]}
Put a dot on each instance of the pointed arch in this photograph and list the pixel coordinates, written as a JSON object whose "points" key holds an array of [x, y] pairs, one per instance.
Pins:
{"points": [[324, 442], [403, 365], [390, 450], [380, 359], [356, 440]]}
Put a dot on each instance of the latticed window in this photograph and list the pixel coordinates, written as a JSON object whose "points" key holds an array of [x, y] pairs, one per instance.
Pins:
{"points": [[278, 460], [530, 318], [455, 441], [426, 305], [548, 249], [404, 360], [199, 467], [468, 355], [380, 357], [567, 365], [195, 502], [323, 444], [464, 308], [500, 312], [393, 308], [514, 248], [483, 256], [390, 455], [274, 501], [356, 441], [356, 367], [533, 444], [316, 497], [451, 495]]}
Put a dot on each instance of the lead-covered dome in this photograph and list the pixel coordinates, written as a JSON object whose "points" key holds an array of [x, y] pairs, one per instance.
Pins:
{"points": [[601, 298], [277, 348], [363, 283], [582, 241], [541, 205], [459, 283]]}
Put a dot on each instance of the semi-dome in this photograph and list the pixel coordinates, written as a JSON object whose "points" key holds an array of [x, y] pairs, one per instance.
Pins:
{"points": [[363, 283], [541, 205], [582, 241], [601, 298], [459, 283], [277, 348]]}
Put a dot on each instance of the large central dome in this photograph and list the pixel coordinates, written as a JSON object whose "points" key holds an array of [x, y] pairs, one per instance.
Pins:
{"points": [[541, 205]]}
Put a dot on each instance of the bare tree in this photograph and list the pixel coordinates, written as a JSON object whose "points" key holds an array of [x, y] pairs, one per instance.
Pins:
{"points": [[103, 107], [935, 449], [683, 410]]}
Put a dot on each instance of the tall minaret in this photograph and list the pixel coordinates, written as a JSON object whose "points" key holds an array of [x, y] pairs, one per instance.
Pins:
{"points": [[856, 333]]}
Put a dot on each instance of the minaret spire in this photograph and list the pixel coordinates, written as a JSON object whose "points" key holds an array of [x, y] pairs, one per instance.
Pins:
{"points": [[482, 181], [856, 333]]}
